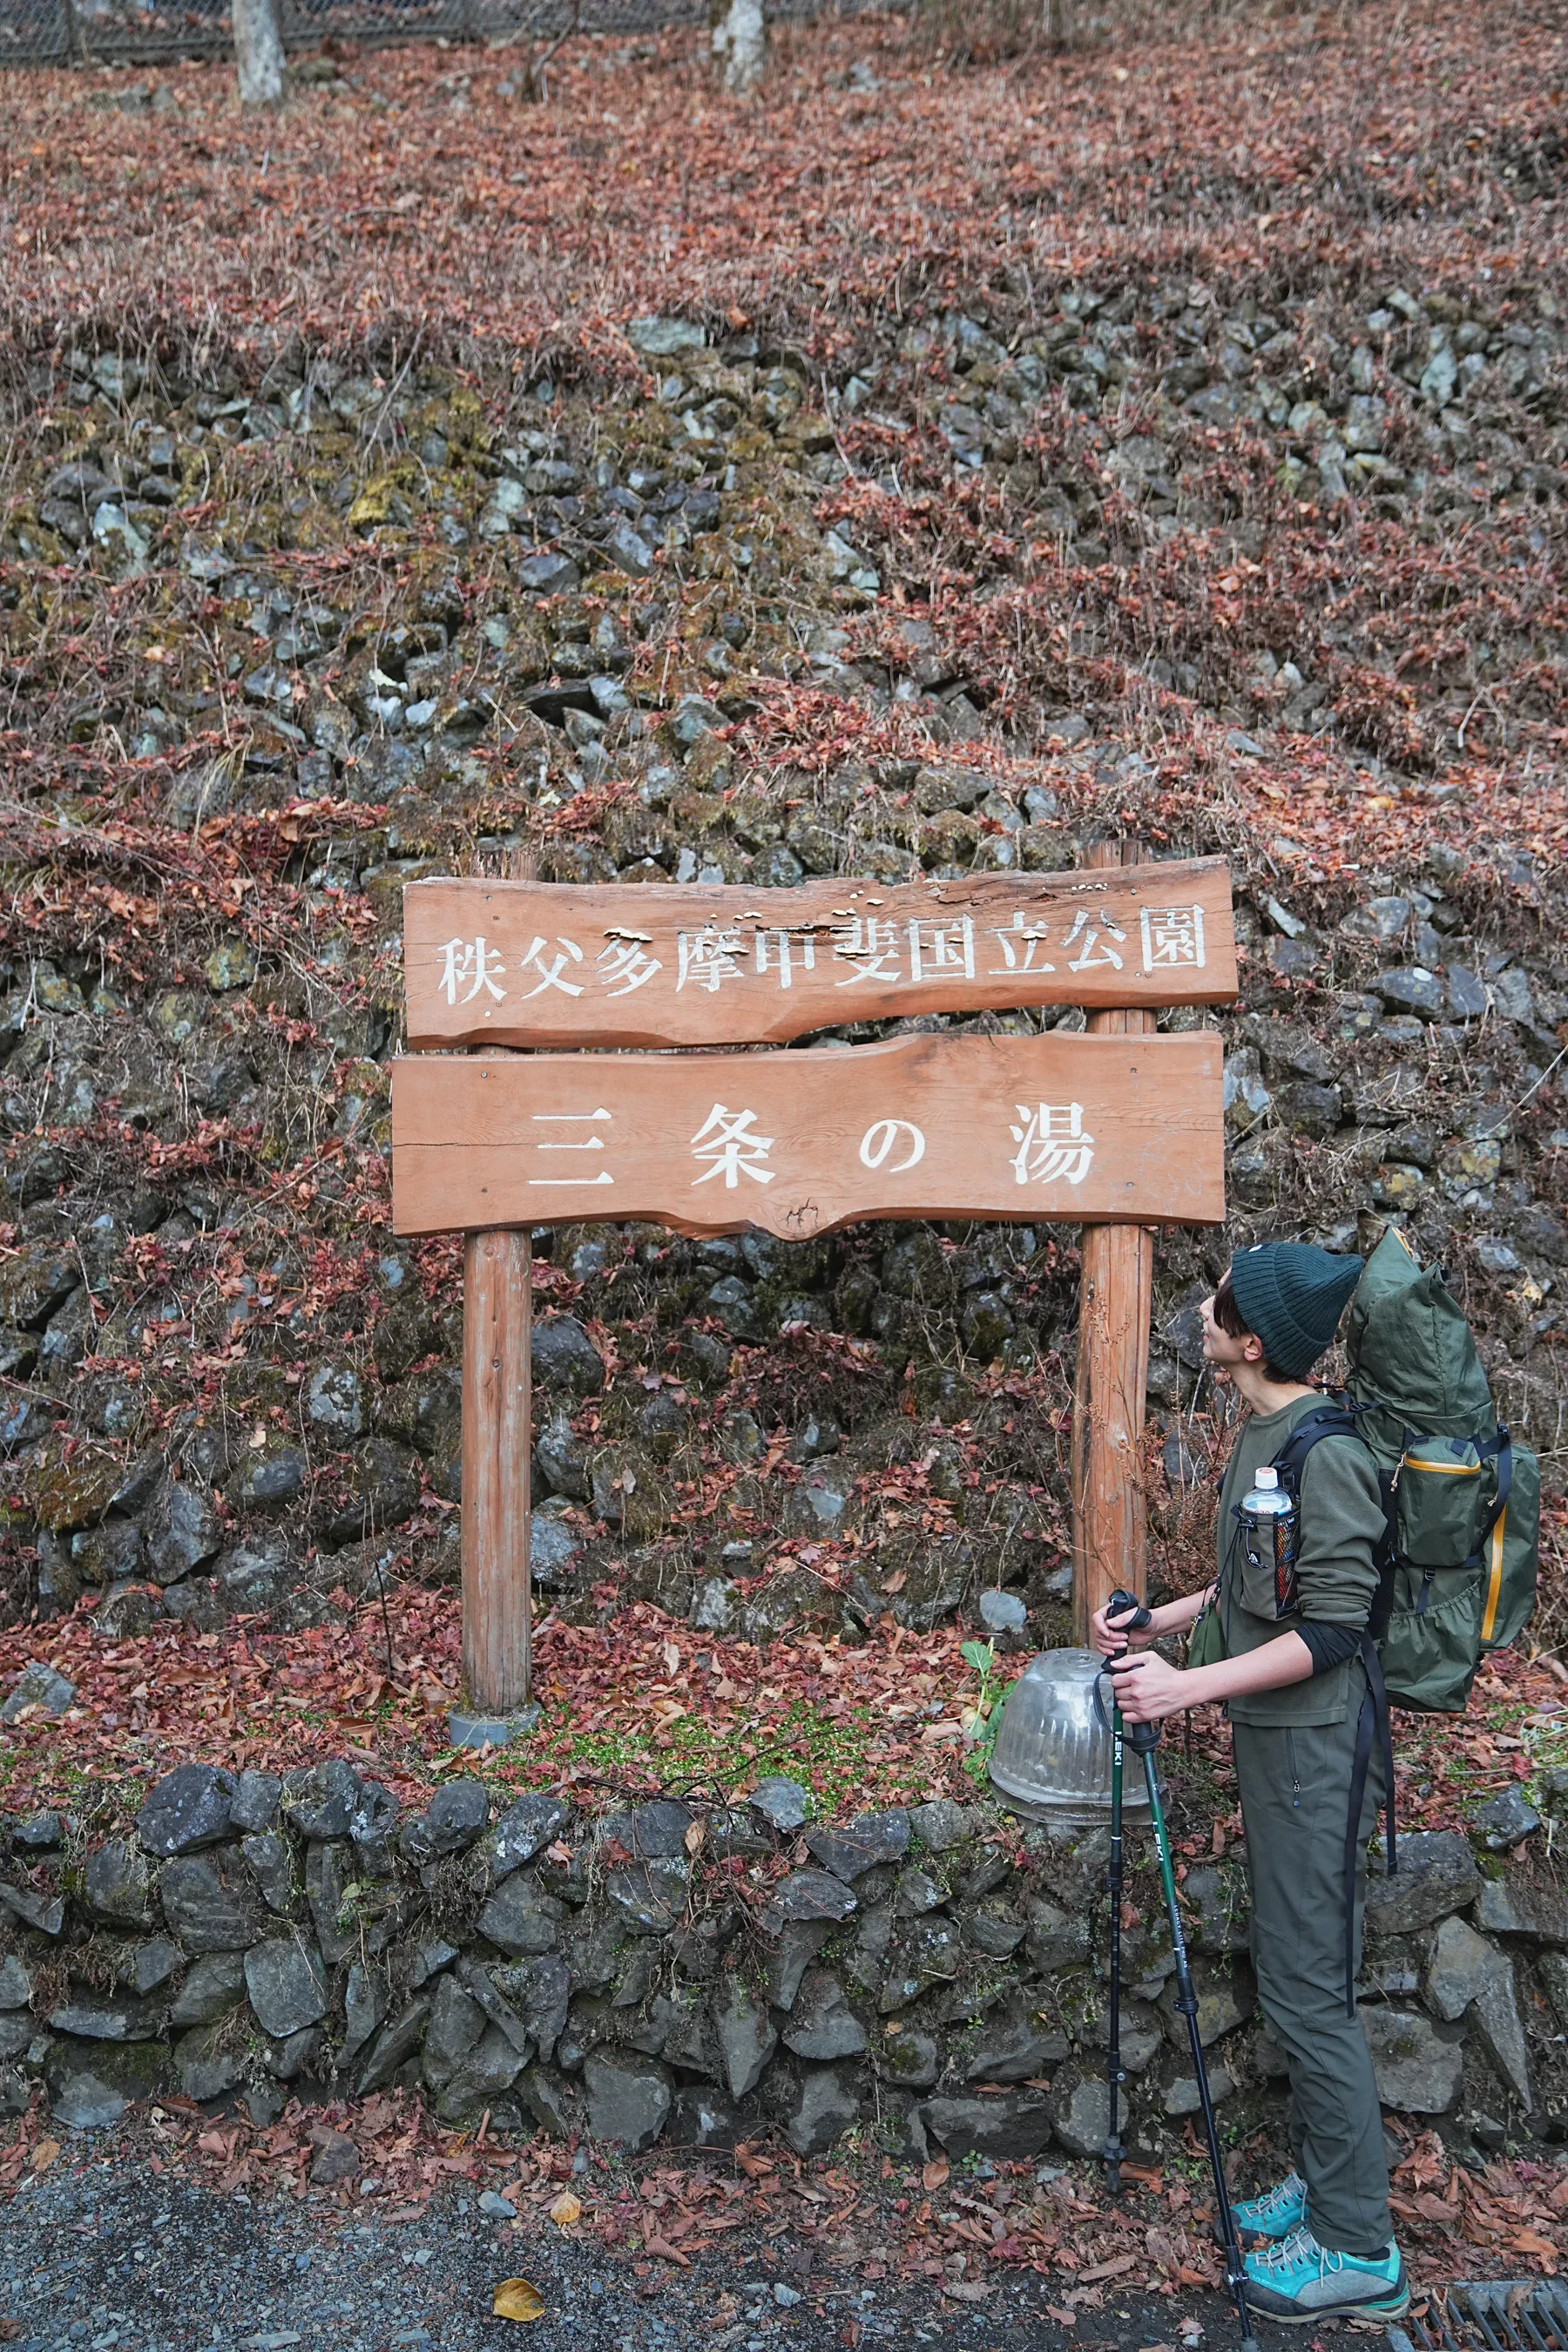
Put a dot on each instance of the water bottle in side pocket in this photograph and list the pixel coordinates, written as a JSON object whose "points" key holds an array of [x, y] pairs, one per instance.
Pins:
{"points": [[1270, 1535]]}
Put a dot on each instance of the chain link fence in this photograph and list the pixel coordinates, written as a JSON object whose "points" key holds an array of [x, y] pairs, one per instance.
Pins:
{"points": [[105, 32]]}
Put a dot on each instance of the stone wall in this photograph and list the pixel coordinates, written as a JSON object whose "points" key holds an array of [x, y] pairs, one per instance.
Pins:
{"points": [[697, 1972]]}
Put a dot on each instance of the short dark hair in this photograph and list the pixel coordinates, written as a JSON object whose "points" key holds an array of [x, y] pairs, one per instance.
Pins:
{"points": [[1230, 1318]]}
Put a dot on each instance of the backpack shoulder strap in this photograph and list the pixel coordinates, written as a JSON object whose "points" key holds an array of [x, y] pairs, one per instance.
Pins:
{"points": [[1330, 1420], [1341, 1417]]}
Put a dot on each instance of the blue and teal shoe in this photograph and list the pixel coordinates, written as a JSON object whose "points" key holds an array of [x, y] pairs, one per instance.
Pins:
{"points": [[1273, 2215], [1299, 2280]]}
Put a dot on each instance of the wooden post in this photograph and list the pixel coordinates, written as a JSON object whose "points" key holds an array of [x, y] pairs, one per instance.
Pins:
{"points": [[1109, 1530], [498, 1454], [497, 1320]]}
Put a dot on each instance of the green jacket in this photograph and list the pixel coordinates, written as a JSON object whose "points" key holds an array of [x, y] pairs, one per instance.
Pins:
{"points": [[1342, 1521]]}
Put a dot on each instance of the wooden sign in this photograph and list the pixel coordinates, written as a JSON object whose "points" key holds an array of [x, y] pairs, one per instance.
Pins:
{"points": [[1102, 1129], [1115, 1131], [564, 965]]}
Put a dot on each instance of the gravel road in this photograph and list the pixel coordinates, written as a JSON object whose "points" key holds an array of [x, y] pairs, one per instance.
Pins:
{"points": [[109, 2256]]}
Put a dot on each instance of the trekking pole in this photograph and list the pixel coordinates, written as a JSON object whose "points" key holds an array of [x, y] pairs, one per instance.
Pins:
{"points": [[1115, 2073], [1144, 1739]]}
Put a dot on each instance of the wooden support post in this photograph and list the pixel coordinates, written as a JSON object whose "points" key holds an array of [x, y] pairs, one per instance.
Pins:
{"points": [[497, 1320], [497, 1455], [1109, 1530]]}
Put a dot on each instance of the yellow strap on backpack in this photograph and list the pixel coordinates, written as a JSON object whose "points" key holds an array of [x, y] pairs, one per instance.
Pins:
{"points": [[1494, 1581]]}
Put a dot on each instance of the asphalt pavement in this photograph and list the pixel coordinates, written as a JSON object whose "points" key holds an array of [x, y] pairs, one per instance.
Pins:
{"points": [[102, 2254]]}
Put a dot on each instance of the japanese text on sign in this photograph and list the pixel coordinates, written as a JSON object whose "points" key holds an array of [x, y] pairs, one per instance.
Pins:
{"points": [[891, 954], [1051, 1145]]}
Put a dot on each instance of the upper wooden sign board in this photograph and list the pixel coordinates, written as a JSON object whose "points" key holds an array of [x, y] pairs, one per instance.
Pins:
{"points": [[1099, 1129], [568, 964]]}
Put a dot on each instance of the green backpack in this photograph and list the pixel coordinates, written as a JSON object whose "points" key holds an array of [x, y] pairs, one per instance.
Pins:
{"points": [[1463, 1496], [1457, 1565]]}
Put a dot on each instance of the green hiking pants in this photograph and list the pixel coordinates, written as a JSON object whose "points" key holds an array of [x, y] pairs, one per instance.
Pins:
{"points": [[1295, 1801]]}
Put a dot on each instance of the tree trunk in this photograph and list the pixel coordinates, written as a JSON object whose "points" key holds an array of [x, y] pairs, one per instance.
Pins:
{"points": [[741, 42], [258, 51]]}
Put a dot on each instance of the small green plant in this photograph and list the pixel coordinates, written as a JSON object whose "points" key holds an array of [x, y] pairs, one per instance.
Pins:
{"points": [[982, 1657], [980, 1720]]}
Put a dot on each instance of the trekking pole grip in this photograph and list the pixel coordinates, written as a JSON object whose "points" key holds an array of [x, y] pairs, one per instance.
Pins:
{"points": [[1142, 1737], [1120, 1603]]}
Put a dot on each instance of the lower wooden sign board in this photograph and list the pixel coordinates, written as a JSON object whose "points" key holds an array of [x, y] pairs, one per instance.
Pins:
{"points": [[1086, 1129]]}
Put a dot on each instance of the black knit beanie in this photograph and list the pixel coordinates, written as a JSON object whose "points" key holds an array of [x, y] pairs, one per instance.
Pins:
{"points": [[1292, 1296]]}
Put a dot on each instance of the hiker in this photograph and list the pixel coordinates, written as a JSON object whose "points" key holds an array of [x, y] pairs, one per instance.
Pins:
{"points": [[1294, 1680]]}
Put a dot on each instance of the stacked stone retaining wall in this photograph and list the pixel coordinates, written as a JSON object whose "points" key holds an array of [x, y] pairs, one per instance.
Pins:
{"points": [[697, 1973]]}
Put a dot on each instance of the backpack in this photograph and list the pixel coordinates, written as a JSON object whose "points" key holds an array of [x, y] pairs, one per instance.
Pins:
{"points": [[1459, 1562], [1459, 1554]]}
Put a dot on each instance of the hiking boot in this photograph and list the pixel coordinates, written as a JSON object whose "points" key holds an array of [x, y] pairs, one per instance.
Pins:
{"points": [[1299, 2282], [1273, 2215]]}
